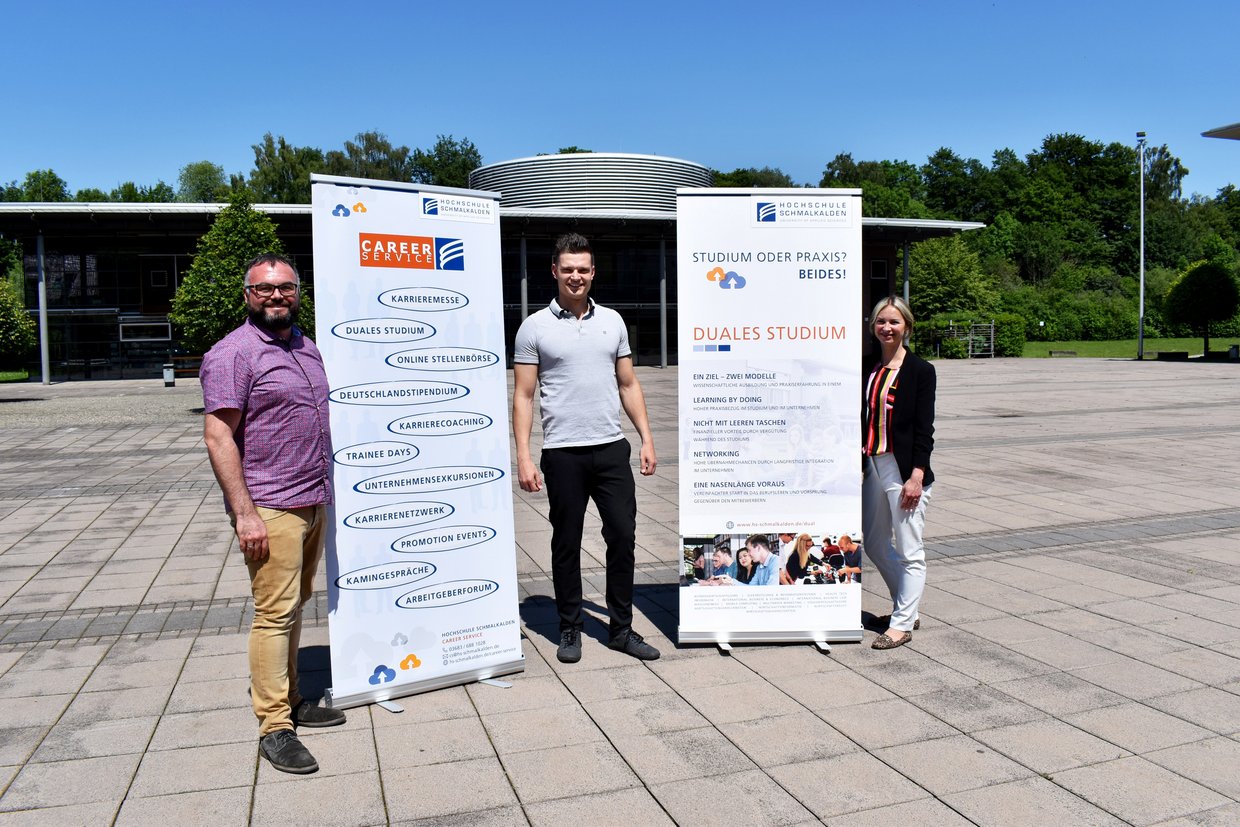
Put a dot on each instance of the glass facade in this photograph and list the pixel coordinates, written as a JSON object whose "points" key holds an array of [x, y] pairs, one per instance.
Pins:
{"points": [[627, 270], [110, 273]]}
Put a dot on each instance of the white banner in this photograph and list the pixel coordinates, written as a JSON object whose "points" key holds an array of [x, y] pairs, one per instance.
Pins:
{"points": [[770, 332], [421, 562]]}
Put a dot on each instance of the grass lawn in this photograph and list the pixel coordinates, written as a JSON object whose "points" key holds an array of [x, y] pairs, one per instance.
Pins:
{"points": [[1126, 348], [13, 376]]}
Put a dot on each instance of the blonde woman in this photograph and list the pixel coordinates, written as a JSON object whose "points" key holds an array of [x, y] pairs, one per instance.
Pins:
{"points": [[898, 434], [799, 561]]}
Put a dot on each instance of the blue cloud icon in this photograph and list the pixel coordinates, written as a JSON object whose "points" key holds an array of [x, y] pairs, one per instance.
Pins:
{"points": [[341, 210], [731, 280], [382, 675]]}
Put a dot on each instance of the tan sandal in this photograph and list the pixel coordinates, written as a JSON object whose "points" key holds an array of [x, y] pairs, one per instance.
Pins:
{"points": [[885, 641]]}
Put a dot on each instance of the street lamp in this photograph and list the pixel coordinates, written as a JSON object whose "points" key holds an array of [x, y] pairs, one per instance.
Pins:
{"points": [[1141, 265]]}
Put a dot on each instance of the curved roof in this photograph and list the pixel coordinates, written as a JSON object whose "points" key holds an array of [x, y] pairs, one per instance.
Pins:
{"points": [[591, 181]]}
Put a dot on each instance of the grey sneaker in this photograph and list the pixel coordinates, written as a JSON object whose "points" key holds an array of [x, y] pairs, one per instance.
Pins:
{"points": [[632, 643], [285, 752], [312, 715], [570, 646]]}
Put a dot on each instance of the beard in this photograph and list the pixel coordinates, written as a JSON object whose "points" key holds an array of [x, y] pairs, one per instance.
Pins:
{"points": [[265, 317]]}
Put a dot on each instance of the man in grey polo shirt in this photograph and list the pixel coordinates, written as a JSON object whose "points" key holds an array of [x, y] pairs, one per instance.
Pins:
{"points": [[577, 354]]}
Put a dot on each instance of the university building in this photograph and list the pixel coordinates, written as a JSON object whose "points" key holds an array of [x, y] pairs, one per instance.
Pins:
{"points": [[110, 270]]}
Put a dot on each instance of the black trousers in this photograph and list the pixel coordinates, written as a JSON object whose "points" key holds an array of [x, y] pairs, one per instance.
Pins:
{"points": [[574, 476]]}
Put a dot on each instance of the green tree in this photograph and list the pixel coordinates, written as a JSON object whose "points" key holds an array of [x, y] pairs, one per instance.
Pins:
{"points": [[17, 330], [1228, 205], [371, 155], [44, 185], [1163, 174], [201, 182], [948, 278], [210, 301], [281, 172], [90, 194], [1003, 185], [891, 189], [129, 192], [571, 150], [11, 262], [954, 186], [446, 164], [753, 177], [1207, 293], [1038, 250]]}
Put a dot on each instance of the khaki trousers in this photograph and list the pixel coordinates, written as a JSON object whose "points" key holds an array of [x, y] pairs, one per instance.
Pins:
{"points": [[281, 585]]}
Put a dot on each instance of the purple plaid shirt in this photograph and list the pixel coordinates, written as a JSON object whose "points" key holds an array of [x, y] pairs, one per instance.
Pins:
{"points": [[281, 390]]}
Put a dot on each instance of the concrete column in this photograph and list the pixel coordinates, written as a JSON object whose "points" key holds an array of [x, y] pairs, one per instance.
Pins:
{"points": [[44, 350]]}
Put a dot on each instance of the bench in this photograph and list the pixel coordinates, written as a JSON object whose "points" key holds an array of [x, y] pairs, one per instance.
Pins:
{"points": [[186, 365], [1055, 353]]}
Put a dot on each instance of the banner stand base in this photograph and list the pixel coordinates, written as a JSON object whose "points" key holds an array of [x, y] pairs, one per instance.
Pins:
{"points": [[386, 693], [724, 640], [823, 646]]}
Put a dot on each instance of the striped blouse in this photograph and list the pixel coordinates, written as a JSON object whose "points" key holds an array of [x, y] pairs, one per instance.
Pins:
{"points": [[878, 403]]}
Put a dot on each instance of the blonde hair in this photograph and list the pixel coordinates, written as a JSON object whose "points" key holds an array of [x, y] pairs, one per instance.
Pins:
{"points": [[901, 307], [803, 544]]}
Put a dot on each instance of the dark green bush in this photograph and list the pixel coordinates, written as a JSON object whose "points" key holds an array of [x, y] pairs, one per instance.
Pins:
{"points": [[1009, 334], [953, 349]]}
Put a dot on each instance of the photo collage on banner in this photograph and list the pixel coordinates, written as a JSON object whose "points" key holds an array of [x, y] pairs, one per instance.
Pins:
{"points": [[420, 563], [770, 334]]}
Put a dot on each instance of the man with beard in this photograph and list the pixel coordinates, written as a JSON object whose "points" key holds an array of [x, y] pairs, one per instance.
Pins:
{"points": [[265, 396]]}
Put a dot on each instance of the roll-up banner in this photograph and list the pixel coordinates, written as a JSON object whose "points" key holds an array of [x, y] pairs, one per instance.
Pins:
{"points": [[421, 568], [770, 332]]}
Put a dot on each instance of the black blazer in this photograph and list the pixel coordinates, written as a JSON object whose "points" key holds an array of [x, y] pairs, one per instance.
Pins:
{"points": [[912, 416]]}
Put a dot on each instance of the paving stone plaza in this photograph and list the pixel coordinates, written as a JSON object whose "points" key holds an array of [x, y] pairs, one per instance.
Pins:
{"points": [[1078, 660]]}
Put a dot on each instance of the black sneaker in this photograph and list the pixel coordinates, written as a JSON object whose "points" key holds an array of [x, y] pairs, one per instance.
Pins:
{"points": [[632, 643], [284, 750], [570, 646], [312, 715]]}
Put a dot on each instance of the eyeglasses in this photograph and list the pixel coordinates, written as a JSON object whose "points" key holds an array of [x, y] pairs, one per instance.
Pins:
{"points": [[265, 290]]}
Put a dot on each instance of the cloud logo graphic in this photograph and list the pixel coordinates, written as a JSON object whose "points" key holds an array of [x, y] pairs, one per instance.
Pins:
{"points": [[400, 639], [766, 212], [430, 206], [359, 207], [727, 281], [341, 211], [382, 675], [410, 662]]}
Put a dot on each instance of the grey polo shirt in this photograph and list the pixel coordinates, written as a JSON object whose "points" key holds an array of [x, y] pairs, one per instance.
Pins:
{"points": [[576, 361]]}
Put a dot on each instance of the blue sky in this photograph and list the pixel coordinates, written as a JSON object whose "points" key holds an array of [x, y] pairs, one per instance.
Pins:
{"points": [[108, 92]]}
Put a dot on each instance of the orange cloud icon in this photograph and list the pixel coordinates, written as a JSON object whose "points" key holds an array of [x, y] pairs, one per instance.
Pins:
{"points": [[410, 662]]}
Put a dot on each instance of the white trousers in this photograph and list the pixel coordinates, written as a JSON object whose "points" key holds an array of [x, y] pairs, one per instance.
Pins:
{"points": [[892, 538]]}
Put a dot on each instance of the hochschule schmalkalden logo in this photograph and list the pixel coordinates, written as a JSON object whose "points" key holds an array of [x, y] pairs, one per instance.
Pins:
{"points": [[430, 206], [767, 212], [410, 252]]}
